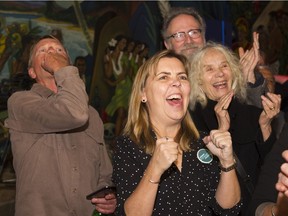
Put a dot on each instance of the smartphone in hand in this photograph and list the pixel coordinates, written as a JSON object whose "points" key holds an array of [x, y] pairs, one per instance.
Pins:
{"points": [[102, 192]]}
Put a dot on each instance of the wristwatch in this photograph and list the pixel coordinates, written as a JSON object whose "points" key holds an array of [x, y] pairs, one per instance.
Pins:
{"points": [[227, 169]]}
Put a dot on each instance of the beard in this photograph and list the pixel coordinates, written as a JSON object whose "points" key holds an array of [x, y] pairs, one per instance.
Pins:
{"points": [[190, 49]]}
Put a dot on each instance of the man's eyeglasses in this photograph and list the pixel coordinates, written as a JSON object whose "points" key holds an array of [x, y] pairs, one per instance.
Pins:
{"points": [[181, 36]]}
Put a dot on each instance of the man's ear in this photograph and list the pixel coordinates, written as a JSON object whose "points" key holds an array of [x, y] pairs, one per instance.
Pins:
{"points": [[32, 73], [167, 45]]}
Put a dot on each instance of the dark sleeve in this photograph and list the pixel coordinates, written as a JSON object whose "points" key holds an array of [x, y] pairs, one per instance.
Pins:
{"points": [[264, 147], [127, 171], [282, 89], [204, 118], [259, 80], [254, 91], [265, 188]]}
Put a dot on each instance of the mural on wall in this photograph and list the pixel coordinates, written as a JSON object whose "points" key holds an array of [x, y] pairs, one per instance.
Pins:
{"points": [[106, 40], [100, 37], [20, 24], [117, 62]]}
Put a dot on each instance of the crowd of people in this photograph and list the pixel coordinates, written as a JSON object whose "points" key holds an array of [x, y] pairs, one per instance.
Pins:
{"points": [[198, 139]]}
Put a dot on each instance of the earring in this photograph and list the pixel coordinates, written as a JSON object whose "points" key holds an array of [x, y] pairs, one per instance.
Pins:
{"points": [[143, 100]]}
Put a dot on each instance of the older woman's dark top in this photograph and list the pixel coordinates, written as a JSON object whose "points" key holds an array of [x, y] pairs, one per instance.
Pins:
{"points": [[246, 134], [189, 192]]}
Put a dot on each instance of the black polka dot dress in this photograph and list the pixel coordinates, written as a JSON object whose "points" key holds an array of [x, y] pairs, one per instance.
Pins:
{"points": [[189, 192]]}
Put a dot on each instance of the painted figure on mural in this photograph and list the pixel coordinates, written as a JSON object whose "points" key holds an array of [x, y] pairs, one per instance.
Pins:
{"points": [[116, 75], [11, 43], [143, 55], [135, 58], [128, 53], [128, 50], [80, 63]]}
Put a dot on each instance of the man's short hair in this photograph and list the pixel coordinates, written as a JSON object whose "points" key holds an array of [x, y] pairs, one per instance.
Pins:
{"points": [[175, 11]]}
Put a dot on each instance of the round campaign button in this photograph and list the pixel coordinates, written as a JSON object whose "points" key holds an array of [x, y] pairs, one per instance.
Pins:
{"points": [[204, 155]]}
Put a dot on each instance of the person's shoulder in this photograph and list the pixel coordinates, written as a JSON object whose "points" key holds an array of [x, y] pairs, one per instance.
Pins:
{"points": [[20, 95], [94, 112], [124, 141], [126, 146], [94, 118], [122, 144], [17, 93]]}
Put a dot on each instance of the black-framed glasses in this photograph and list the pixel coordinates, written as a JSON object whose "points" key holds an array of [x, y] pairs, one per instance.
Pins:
{"points": [[181, 36]]}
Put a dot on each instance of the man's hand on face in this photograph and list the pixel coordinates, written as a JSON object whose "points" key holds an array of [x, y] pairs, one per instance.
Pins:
{"points": [[54, 61]]}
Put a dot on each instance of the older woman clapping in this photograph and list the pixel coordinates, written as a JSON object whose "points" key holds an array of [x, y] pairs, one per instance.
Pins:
{"points": [[218, 100]]}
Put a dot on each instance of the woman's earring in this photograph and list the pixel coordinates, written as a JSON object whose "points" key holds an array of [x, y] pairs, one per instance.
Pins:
{"points": [[143, 100]]}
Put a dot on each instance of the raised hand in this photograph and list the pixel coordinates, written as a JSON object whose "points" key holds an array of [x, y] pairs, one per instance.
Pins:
{"points": [[271, 107], [281, 207], [249, 59], [165, 153], [282, 184], [220, 144], [54, 60], [221, 112]]}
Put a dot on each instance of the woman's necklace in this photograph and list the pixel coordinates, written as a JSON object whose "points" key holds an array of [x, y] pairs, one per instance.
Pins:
{"points": [[117, 68]]}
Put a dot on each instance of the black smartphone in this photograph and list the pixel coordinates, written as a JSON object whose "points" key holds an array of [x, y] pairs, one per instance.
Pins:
{"points": [[102, 192]]}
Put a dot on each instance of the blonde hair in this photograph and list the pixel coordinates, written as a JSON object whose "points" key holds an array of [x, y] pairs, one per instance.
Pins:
{"points": [[196, 74], [138, 126]]}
